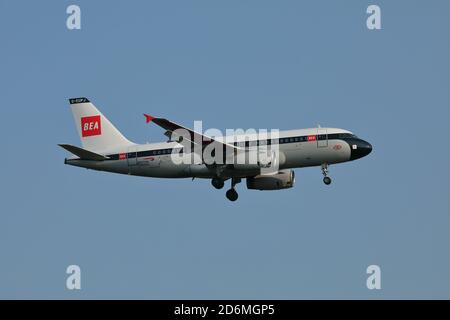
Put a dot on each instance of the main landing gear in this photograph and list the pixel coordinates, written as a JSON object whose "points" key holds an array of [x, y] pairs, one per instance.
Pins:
{"points": [[326, 178], [217, 183], [232, 194]]}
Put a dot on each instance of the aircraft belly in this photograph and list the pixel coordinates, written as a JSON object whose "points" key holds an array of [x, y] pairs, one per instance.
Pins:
{"points": [[163, 167], [112, 166]]}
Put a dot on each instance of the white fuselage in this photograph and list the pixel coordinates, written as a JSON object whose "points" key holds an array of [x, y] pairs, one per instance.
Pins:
{"points": [[297, 148]]}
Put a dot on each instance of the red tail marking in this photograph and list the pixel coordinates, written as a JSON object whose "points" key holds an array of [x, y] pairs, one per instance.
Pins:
{"points": [[91, 126]]}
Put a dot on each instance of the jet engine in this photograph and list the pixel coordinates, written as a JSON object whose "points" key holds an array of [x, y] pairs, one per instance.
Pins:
{"points": [[281, 180]]}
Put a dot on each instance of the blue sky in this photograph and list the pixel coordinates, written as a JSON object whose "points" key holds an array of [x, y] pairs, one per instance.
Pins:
{"points": [[232, 64]]}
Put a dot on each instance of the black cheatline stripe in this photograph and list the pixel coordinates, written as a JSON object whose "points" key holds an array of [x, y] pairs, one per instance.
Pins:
{"points": [[160, 152]]}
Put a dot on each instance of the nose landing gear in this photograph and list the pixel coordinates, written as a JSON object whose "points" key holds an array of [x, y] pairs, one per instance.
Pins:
{"points": [[326, 178]]}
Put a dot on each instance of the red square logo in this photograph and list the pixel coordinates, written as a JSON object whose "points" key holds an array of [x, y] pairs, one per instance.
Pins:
{"points": [[311, 138], [122, 156], [91, 126]]}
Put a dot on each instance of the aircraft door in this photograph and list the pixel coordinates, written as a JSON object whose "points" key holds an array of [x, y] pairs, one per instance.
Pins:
{"points": [[322, 138], [132, 156]]}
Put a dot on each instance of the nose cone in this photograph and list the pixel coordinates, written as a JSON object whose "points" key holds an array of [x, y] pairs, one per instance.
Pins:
{"points": [[359, 149]]}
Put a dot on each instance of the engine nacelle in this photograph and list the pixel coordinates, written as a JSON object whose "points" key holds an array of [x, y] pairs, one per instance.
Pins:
{"points": [[281, 180]]}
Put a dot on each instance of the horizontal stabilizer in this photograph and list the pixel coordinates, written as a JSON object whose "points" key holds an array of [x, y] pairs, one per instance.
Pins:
{"points": [[83, 153]]}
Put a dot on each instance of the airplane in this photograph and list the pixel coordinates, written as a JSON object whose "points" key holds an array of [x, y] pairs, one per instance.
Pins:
{"points": [[104, 148]]}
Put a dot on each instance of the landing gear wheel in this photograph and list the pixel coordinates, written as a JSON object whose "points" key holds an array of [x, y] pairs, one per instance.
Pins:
{"points": [[232, 195], [217, 183], [327, 180]]}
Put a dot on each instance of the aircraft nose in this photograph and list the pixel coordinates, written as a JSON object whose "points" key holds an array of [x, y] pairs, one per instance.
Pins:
{"points": [[360, 148]]}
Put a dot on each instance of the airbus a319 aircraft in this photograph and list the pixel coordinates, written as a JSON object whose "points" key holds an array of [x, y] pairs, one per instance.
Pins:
{"points": [[104, 148]]}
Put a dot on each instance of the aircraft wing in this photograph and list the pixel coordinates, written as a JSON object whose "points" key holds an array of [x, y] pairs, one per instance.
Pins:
{"points": [[194, 137]]}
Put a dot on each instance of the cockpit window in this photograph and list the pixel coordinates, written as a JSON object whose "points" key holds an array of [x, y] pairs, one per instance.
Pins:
{"points": [[342, 136], [347, 135]]}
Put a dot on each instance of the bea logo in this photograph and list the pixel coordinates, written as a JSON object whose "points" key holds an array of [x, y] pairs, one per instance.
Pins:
{"points": [[91, 126]]}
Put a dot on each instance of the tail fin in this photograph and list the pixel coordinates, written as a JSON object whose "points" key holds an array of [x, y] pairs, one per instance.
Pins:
{"points": [[96, 132]]}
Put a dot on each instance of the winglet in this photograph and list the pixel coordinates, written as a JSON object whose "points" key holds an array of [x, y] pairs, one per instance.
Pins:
{"points": [[148, 118]]}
